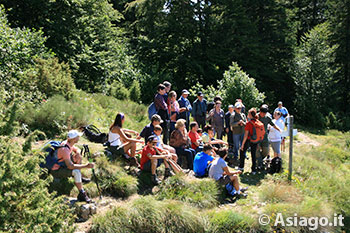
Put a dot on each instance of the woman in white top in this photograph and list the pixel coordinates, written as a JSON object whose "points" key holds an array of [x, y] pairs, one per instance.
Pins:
{"points": [[275, 136], [120, 143]]}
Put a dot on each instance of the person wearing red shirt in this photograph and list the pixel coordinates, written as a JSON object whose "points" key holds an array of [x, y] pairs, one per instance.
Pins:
{"points": [[152, 157], [196, 140], [253, 116]]}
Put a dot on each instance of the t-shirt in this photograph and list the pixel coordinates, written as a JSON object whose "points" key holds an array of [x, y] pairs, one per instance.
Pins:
{"points": [[200, 163], [266, 120], [194, 136], [205, 137], [284, 112], [145, 151], [159, 143], [216, 170], [63, 154], [147, 131], [274, 134]]}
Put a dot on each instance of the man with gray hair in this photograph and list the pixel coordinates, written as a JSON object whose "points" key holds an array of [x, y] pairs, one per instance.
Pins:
{"points": [[69, 163]]}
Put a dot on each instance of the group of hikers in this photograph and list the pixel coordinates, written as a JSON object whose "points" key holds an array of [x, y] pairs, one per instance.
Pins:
{"points": [[184, 146]]}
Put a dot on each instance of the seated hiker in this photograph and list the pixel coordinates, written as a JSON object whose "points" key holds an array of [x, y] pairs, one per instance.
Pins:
{"points": [[196, 140], [200, 132], [221, 173], [208, 137], [180, 141], [152, 157], [148, 130], [115, 137], [69, 163], [158, 131], [202, 161]]}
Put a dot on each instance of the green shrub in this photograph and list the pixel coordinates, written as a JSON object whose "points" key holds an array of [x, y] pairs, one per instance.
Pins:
{"points": [[113, 179], [148, 215], [25, 203], [119, 91], [135, 91], [232, 221], [55, 116], [199, 192]]}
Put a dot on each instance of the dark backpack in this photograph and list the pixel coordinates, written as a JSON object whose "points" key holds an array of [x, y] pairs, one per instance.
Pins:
{"points": [[151, 110], [51, 158], [92, 133], [258, 132], [276, 165]]}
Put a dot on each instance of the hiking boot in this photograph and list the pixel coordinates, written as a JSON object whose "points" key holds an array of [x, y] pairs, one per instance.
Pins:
{"points": [[155, 180], [85, 180], [244, 189], [242, 195], [82, 196], [168, 173]]}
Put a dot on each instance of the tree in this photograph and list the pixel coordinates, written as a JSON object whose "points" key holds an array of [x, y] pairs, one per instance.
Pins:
{"points": [[313, 75]]}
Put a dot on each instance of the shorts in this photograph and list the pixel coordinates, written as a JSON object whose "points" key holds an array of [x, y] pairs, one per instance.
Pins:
{"points": [[116, 151], [224, 180], [61, 173], [147, 165], [276, 146]]}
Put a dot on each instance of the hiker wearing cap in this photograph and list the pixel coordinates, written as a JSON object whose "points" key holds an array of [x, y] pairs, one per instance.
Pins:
{"points": [[282, 110], [152, 157], [70, 155], [263, 147], [180, 141], [199, 109], [228, 127], [162, 109], [238, 121], [115, 137], [216, 116], [185, 103]]}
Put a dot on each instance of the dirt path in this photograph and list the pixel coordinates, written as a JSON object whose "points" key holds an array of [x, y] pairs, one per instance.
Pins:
{"points": [[304, 139]]}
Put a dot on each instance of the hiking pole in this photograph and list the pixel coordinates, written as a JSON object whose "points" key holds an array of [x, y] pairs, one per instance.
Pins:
{"points": [[88, 155]]}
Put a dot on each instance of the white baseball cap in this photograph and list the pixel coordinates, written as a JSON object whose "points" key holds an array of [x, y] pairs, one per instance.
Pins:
{"points": [[73, 134]]}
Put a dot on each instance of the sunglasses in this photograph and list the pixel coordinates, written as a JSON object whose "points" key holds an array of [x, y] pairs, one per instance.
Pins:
{"points": [[154, 143]]}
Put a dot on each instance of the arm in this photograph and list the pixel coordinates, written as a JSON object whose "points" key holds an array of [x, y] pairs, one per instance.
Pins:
{"points": [[227, 172], [131, 131], [65, 153], [194, 109], [126, 138], [218, 141]]}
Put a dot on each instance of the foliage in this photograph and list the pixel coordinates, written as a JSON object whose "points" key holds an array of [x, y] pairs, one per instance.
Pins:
{"points": [[118, 90], [236, 84], [313, 74], [199, 192], [25, 203], [135, 91], [149, 215], [113, 179]]}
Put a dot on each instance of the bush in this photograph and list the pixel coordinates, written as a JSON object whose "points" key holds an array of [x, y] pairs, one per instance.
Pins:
{"points": [[148, 215], [198, 192], [135, 91], [118, 90], [25, 203], [52, 78], [236, 84], [114, 180], [55, 116]]}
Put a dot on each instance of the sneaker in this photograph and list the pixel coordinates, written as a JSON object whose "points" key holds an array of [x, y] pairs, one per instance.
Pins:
{"points": [[244, 189], [85, 180], [155, 180], [82, 196], [168, 173]]}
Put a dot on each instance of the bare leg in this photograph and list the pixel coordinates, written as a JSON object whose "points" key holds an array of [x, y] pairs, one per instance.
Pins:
{"points": [[130, 146], [174, 157], [166, 163], [235, 182], [79, 186], [177, 169], [170, 149], [154, 166]]}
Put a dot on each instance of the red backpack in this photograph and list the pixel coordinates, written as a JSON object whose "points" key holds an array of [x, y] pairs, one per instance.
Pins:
{"points": [[258, 132]]}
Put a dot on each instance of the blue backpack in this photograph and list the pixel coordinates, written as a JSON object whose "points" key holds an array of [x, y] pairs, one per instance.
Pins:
{"points": [[151, 110], [51, 158], [230, 189]]}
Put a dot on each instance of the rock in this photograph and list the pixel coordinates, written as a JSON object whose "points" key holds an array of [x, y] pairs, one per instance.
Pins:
{"points": [[84, 211]]}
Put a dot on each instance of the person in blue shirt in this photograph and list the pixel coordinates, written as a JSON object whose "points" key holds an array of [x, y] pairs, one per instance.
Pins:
{"points": [[185, 103], [202, 160], [282, 110]]}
